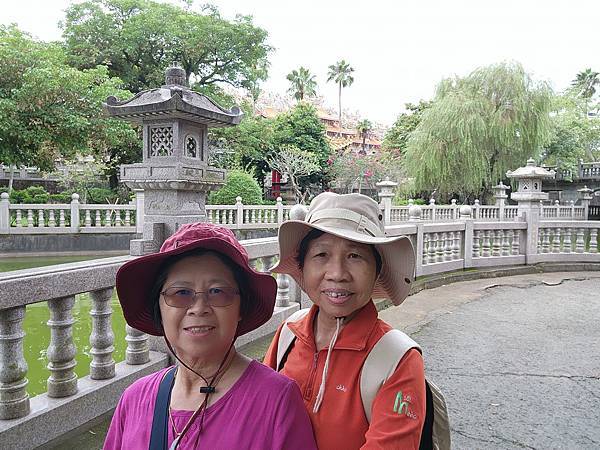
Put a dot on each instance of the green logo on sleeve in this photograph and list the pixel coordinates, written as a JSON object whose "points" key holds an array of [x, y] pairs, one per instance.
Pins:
{"points": [[402, 405]]}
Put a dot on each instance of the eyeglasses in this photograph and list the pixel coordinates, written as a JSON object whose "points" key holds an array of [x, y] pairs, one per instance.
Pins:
{"points": [[179, 297]]}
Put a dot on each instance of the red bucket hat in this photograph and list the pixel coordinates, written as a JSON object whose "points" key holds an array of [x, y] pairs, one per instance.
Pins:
{"points": [[136, 277]]}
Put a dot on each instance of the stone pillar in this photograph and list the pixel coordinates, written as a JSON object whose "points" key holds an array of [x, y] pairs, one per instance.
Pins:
{"points": [[466, 213], [75, 213], [386, 194], [4, 213], [102, 338], [585, 195], [500, 197], [139, 211], [61, 351], [414, 212], [279, 210]]}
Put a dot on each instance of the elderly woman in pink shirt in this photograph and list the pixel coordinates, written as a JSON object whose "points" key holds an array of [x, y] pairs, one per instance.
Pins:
{"points": [[200, 293]]}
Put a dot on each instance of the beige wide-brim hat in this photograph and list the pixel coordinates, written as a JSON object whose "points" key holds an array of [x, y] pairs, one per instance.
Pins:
{"points": [[357, 218]]}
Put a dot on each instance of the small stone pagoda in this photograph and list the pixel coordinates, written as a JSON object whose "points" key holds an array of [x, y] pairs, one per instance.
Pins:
{"points": [[530, 180], [174, 177]]}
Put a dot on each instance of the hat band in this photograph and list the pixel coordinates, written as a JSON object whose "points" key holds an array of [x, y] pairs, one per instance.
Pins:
{"points": [[363, 223]]}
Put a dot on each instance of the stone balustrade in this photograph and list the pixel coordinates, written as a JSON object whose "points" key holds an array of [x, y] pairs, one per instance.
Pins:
{"points": [[248, 217], [440, 247]]}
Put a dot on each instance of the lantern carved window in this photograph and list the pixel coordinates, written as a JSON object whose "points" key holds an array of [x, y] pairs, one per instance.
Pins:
{"points": [[191, 147], [161, 141]]}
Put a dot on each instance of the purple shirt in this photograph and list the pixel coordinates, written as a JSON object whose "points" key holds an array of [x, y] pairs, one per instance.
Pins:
{"points": [[262, 410]]}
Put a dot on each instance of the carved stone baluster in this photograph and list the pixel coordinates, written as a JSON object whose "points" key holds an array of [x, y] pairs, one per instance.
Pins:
{"points": [[29, 218], [448, 239], [580, 243], [283, 290], [431, 249], [510, 240], [51, 220], [107, 218], [426, 244], [61, 218], [98, 221], [556, 240], [485, 246], [118, 220], [497, 236], [41, 220], [439, 247], [88, 218], [102, 337], [567, 241], [593, 240], [476, 244], [19, 218], [505, 243], [456, 246], [546, 240], [61, 351], [137, 351], [127, 218], [246, 216], [516, 242], [253, 216], [14, 400]]}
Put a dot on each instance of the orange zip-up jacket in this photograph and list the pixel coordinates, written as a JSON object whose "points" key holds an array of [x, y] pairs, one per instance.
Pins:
{"points": [[398, 411]]}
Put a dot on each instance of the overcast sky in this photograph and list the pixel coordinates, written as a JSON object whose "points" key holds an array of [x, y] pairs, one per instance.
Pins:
{"points": [[399, 49]]}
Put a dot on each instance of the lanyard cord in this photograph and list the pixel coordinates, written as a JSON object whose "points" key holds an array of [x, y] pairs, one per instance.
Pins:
{"points": [[206, 390]]}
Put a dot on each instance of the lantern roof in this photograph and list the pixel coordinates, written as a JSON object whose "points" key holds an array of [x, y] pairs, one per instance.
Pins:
{"points": [[530, 171], [173, 100]]}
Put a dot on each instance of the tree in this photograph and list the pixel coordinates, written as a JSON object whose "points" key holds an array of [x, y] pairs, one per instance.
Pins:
{"points": [[301, 128], [477, 128], [341, 73], [303, 83], [293, 163], [49, 109], [397, 136], [138, 39], [585, 83], [575, 135], [364, 128]]}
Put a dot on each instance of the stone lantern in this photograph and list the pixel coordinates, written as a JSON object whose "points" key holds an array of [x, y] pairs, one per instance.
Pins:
{"points": [[585, 195], [528, 195], [174, 176], [500, 194], [386, 194]]}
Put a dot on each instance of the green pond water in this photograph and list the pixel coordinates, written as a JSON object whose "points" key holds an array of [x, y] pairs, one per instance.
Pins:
{"points": [[37, 336]]}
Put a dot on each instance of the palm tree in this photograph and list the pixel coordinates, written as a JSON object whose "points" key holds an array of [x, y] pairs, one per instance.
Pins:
{"points": [[303, 83], [585, 83], [341, 73], [364, 128]]}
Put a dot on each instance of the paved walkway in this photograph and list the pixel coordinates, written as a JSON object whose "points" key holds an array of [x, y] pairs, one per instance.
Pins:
{"points": [[518, 358]]}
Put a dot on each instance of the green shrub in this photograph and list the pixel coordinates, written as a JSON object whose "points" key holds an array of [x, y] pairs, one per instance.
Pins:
{"points": [[237, 183], [32, 194], [100, 195], [62, 197]]}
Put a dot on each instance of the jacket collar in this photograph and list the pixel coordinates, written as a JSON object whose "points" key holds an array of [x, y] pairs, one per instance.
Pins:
{"points": [[354, 335]]}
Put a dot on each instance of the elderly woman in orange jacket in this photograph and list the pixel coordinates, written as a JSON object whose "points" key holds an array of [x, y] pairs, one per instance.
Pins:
{"points": [[342, 259]]}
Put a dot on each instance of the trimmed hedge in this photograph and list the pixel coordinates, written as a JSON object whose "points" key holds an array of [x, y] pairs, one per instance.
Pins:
{"points": [[238, 183]]}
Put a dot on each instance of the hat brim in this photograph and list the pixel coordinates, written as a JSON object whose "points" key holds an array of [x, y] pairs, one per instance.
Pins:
{"points": [[135, 278], [397, 257]]}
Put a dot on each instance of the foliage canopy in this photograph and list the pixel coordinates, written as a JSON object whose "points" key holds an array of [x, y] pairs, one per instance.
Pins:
{"points": [[477, 128]]}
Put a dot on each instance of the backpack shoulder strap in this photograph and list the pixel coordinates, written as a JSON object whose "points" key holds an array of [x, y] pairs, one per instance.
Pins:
{"points": [[159, 433], [381, 364], [286, 337]]}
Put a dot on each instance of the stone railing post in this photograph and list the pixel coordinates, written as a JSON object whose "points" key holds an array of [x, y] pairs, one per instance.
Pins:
{"points": [[572, 205], [14, 400], [75, 213], [433, 209], [455, 209], [283, 290], [239, 212], [279, 211], [585, 195], [137, 351], [139, 211], [466, 213], [4, 213], [476, 205], [386, 194], [419, 246], [414, 211], [61, 351], [102, 337]]}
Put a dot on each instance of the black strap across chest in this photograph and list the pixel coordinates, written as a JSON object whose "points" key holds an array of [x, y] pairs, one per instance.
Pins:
{"points": [[160, 422]]}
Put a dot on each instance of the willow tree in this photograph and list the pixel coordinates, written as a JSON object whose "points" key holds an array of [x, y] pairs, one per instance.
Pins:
{"points": [[477, 128]]}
